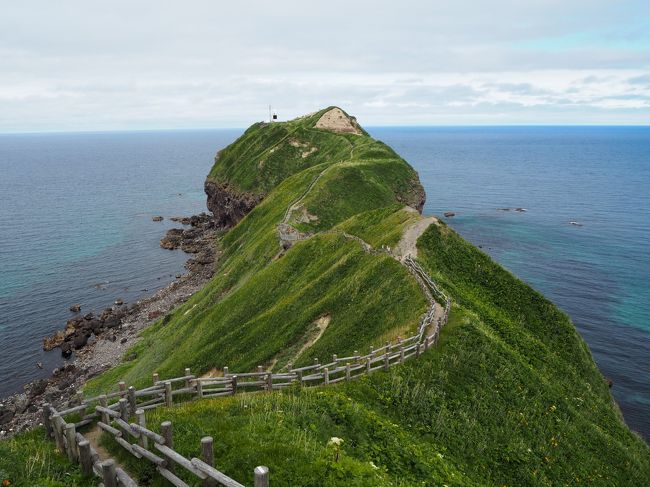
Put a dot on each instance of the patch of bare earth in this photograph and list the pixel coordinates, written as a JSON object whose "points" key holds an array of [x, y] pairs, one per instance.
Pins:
{"points": [[321, 325], [336, 120], [407, 246]]}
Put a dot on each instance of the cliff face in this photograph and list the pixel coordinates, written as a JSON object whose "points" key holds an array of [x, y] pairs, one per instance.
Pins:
{"points": [[228, 205]]}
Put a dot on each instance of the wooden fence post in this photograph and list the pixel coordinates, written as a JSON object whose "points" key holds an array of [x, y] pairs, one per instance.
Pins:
{"points": [[316, 362], [58, 434], [85, 458], [132, 404], [300, 378], [225, 371], [417, 350], [334, 357], [261, 476], [372, 350], [141, 419], [166, 431], [368, 366], [326, 376], [71, 437], [199, 387], [122, 386], [108, 473], [347, 371], [269, 382], [207, 455], [401, 354], [187, 381], [260, 369], [289, 367], [356, 355], [124, 409], [426, 343], [386, 363], [46, 420], [168, 394], [234, 384], [103, 402], [155, 377]]}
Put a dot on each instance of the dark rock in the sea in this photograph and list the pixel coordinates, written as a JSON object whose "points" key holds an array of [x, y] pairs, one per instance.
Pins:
{"points": [[54, 341], [75, 308], [227, 204], [66, 349], [520, 210], [89, 316], [503, 209], [95, 326], [112, 322], [172, 239], [119, 302], [202, 220], [449, 214], [157, 218], [183, 220], [80, 340], [106, 313]]}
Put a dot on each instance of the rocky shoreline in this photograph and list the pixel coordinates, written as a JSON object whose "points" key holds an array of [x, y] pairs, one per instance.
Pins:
{"points": [[100, 340]]}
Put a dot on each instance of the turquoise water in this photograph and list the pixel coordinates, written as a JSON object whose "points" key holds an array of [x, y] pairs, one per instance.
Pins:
{"points": [[599, 273], [75, 213]]}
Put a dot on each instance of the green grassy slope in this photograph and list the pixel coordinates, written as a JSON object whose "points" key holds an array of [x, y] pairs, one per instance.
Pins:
{"points": [[259, 292], [511, 395], [30, 461]]}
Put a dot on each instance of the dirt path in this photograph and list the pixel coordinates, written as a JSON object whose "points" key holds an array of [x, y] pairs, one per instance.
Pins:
{"points": [[321, 325], [407, 246]]}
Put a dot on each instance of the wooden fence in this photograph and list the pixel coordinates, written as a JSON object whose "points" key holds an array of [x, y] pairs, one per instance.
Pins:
{"points": [[112, 412]]}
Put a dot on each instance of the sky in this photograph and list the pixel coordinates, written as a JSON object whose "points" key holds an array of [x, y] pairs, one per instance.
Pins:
{"points": [[118, 65]]}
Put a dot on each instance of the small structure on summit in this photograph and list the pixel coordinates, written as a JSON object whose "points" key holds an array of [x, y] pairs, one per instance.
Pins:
{"points": [[273, 116], [336, 120]]}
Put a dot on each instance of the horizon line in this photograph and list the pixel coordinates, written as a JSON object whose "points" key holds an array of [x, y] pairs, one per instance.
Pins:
{"points": [[197, 129]]}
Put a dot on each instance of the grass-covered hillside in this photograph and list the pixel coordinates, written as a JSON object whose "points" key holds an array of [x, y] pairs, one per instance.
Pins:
{"points": [[264, 304], [510, 395]]}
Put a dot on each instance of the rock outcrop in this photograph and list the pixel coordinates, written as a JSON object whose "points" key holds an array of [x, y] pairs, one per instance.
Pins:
{"points": [[228, 205]]}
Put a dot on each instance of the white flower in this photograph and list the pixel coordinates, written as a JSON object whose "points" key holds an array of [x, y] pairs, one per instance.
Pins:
{"points": [[335, 441], [374, 466]]}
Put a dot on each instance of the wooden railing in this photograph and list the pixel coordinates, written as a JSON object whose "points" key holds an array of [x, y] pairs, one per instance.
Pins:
{"points": [[113, 411]]}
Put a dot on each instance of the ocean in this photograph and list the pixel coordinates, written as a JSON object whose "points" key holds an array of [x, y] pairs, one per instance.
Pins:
{"points": [[76, 209], [76, 217], [597, 271]]}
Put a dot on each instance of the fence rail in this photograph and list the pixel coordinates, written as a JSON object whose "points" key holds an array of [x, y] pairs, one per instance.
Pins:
{"points": [[143, 443]]}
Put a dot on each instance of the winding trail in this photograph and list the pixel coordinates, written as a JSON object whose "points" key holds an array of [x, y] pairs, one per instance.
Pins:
{"points": [[404, 252]]}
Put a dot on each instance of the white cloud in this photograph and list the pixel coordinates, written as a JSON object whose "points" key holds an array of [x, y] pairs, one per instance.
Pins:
{"points": [[74, 65]]}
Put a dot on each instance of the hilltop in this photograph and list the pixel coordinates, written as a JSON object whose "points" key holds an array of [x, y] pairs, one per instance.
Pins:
{"points": [[317, 218]]}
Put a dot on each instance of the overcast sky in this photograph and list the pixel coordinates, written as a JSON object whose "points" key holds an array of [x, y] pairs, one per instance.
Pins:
{"points": [[85, 65]]}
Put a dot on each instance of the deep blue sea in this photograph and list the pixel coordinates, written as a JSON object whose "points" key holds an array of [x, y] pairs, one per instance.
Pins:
{"points": [[75, 227], [75, 214]]}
